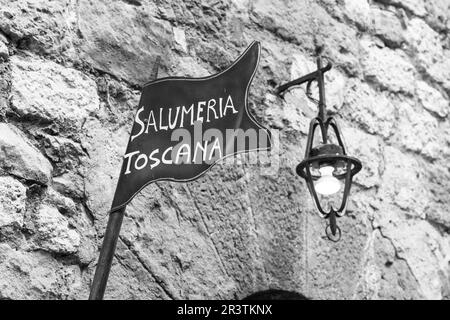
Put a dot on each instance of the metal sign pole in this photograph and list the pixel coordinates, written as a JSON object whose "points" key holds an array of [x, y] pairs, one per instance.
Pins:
{"points": [[111, 235], [106, 254]]}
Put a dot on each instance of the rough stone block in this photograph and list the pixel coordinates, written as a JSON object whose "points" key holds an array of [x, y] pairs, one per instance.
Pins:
{"points": [[367, 149], [54, 233], [12, 202], [425, 42], [387, 25], [46, 91], [389, 68], [4, 51], [40, 26], [127, 50], [373, 110], [20, 158], [432, 100], [358, 11]]}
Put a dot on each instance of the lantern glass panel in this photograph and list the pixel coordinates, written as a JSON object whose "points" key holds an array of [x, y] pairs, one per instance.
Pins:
{"points": [[329, 181]]}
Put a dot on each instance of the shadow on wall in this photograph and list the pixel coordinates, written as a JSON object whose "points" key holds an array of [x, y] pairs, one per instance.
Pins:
{"points": [[273, 294]]}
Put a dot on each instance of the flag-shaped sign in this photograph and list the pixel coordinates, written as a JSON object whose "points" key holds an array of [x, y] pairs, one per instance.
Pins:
{"points": [[183, 126]]}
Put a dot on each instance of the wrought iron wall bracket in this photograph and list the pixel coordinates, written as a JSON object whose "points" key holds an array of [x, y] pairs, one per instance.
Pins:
{"points": [[317, 76], [310, 77]]}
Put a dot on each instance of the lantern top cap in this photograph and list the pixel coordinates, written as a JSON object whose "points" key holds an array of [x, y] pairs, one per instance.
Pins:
{"points": [[327, 149]]}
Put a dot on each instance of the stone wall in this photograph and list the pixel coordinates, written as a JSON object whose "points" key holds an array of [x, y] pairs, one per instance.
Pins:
{"points": [[71, 71]]}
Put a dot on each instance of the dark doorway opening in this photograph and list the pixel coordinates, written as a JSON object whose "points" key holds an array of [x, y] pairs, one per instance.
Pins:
{"points": [[275, 294]]}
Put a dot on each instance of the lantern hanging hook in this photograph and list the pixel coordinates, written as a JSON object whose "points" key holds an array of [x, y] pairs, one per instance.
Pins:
{"points": [[332, 230], [309, 93]]}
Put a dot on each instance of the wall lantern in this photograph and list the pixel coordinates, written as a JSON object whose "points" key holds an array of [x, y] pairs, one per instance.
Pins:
{"points": [[327, 169]]}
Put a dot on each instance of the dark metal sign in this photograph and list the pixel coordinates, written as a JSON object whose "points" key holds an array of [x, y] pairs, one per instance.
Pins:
{"points": [[183, 126]]}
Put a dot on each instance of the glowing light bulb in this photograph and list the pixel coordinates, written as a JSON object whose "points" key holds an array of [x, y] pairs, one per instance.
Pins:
{"points": [[327, 183]]}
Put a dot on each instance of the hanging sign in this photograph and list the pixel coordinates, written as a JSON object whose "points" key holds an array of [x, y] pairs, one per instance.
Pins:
{"points": [[183, 126]]}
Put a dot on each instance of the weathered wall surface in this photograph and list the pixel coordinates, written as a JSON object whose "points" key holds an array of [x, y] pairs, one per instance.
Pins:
{"points": [[71, 71]]}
